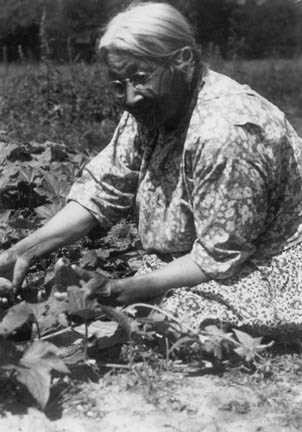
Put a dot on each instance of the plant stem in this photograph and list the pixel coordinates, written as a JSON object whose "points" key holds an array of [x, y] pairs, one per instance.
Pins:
{"points": [[86, 341]]}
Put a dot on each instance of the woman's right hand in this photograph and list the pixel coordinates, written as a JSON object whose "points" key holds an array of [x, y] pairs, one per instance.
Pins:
{"points": [[13, 268]]}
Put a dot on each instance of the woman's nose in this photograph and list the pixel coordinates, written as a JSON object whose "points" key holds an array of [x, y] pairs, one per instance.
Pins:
{"points": [[131, 95]]}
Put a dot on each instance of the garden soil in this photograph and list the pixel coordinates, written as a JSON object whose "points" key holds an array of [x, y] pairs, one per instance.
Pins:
{"points": [[173, 401]]}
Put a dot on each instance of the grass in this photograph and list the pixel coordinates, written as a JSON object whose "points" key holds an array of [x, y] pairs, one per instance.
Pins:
{"points": [[67, 104], [71, 103]]}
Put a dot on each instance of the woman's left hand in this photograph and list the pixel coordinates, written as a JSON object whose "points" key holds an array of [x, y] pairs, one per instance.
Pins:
{"points": [[107, 291], [113, 292], [96, 284]]}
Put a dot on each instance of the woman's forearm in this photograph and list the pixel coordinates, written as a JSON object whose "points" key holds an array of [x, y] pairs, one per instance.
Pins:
{"points": [[179, 273], [67, 226]]}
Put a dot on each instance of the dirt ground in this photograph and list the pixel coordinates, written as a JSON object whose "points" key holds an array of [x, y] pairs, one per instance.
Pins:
{"points": [[141, 400]]}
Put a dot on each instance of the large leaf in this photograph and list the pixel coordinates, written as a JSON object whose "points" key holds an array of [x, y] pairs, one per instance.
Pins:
{"points": [[37, 381], [35, 367], [214, 340], [249, 347], [44, 354], [16, 316]]}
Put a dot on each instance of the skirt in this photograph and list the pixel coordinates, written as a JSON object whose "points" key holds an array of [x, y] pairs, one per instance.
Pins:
{"points": [[262, 298]]}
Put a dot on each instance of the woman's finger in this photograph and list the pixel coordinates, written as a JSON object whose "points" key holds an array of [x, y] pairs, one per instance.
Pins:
{"points": [[6, 286], [20, 269]]}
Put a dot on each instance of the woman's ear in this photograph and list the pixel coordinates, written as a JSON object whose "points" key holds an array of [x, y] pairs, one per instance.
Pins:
{"points": [[184, 61]]}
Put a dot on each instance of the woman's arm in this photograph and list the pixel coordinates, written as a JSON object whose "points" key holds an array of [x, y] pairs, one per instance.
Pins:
{"points": [[67, 226], [179, 273]]}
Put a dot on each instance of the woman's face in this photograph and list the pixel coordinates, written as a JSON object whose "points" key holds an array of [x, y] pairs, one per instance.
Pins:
{"points": [[154, 94]]}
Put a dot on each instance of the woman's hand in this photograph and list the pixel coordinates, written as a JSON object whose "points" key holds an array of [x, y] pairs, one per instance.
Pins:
{"points": [[13, 268], [96, 284], [113, 292]]}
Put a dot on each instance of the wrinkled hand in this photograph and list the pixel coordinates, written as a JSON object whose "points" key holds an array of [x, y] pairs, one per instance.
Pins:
{"points": [[107, 291], [13, 268], [93, 285], [96, 284]]}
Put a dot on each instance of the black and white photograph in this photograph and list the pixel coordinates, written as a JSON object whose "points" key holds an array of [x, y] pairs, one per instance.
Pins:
{"points": [[151, 216]]}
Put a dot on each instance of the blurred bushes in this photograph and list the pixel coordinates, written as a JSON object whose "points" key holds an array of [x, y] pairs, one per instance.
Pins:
{"points": [[69, 28]]}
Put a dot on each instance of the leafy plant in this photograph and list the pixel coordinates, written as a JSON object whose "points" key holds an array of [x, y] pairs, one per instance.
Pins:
{"points": [[33, 367], [55, 299]]}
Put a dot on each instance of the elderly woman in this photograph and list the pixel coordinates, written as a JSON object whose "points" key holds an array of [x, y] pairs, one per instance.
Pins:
{"points": [[215, 173]]}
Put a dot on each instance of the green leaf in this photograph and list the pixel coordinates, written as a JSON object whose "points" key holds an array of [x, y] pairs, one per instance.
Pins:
{"points": [[44, 354], [35, 366], [16, 316], [250, 347], [37, 381], [247, 340], [215, 340], [213, 346]]}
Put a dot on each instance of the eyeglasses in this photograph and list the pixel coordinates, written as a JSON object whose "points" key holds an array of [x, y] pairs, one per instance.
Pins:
{"points": [[138, 80]]}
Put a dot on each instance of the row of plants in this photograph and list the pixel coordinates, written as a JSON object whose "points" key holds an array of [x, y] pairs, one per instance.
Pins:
{"points": [[53, 301], [158, 336]]}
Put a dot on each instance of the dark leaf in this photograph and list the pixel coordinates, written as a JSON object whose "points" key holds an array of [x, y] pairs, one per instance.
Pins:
{"points": [[19, 153], [9, 353]]}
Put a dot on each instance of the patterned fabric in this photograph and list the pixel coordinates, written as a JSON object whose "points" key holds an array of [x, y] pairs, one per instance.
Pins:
{"points": [[225, 186], [264, 300]]}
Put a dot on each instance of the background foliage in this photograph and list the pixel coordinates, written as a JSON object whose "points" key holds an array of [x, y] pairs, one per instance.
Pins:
{"points": [[251, 28]]}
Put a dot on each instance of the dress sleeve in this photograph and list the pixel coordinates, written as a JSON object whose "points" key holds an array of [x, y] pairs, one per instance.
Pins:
{"points": [[229, 200], [108, 184]]}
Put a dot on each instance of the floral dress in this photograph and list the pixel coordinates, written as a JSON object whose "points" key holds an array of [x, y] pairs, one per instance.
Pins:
{"points": [[226, 187]]}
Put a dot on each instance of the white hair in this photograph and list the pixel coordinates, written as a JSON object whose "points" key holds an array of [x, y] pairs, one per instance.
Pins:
{"points": [[149, 30]]}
